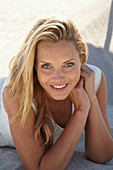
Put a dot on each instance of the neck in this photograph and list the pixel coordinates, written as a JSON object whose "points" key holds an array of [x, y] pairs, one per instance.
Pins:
{"points": [[51, 100]]}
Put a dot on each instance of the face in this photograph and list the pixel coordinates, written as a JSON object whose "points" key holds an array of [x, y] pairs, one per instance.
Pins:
{"points": [[58, 67]]}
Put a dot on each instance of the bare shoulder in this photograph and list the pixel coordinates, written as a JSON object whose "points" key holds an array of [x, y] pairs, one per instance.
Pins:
{"points": [[103, 86], [11, 104], [102, 99], [102, 93], [29, 150]]}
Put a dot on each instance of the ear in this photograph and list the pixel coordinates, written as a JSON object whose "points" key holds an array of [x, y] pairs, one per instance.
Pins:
{"points": [[82, 59], [81, 62]]}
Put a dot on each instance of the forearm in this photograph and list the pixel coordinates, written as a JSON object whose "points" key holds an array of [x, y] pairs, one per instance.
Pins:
{"points": [[58, 156], [98, 139]]}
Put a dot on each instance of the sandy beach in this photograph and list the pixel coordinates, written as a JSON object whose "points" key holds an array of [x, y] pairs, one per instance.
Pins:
{"points": [[94, 20], [16, 18]]}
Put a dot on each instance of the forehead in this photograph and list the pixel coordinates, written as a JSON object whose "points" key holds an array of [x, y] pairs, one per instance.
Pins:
{"points": [[48, 45], [47, 49]]}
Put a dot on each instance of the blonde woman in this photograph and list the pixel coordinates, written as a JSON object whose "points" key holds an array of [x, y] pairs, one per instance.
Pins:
{"points": [[51, 96]]}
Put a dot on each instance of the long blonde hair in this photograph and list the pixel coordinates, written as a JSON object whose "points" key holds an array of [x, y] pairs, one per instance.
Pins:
{"points": [[24, 83]]}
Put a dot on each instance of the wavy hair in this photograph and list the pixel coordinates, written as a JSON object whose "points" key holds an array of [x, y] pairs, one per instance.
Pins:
{"points": [[24, 83]]}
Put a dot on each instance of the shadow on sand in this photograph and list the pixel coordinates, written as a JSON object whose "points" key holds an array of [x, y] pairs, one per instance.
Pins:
{"points": [[103, 58]]}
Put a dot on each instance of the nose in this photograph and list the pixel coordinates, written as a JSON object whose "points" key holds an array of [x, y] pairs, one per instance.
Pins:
{"points": [[58, 75]]}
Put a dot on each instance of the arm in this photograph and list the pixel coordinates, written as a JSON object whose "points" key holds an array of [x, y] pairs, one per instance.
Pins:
{"points": [[31, 152], [98, 137]]}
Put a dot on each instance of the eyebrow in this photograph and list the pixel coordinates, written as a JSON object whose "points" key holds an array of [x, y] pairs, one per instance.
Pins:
{"points": [[69, 60], [50, 63]]}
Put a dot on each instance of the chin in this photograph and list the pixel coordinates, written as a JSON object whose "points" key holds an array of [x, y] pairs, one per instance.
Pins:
{"points": [[58, 98]]}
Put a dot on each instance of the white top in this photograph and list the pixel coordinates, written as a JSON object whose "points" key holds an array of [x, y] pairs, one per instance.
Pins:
{"points": [[5, 134]]}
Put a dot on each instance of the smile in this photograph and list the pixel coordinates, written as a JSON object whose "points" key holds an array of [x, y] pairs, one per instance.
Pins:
{"points": [[59, 87]]}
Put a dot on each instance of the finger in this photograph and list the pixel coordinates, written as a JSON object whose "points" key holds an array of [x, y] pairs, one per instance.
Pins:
{"points": [[86, 68], [81, 81], [85, 74]]}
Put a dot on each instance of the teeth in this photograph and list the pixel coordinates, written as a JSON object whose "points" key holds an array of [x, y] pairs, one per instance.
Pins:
{"points": [[59, 87]]}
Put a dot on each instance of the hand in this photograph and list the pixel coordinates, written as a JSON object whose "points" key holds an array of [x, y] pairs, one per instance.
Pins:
{"points": [[79, 96], [89, 81]]}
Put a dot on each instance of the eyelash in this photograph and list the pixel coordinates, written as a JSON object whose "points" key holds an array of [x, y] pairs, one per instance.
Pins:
{"points": [[47, 66], [69, 64]]}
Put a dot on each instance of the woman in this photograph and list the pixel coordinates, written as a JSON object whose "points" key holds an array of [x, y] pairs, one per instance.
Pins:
{"points": [[51, 96]]}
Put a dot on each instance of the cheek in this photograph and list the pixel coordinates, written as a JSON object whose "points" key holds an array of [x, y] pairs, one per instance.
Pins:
{"points": [[42, 78], [75, 75]]}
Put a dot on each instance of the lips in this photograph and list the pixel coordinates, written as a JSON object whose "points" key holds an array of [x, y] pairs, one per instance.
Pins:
{"points": [[59, 87]]}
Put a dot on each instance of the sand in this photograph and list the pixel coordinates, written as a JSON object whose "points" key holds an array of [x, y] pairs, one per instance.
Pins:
{"points": [[95, 22]]}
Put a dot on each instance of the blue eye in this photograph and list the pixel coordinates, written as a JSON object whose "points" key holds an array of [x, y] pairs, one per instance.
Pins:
{"points": [[46, 66], [69, 64]]}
